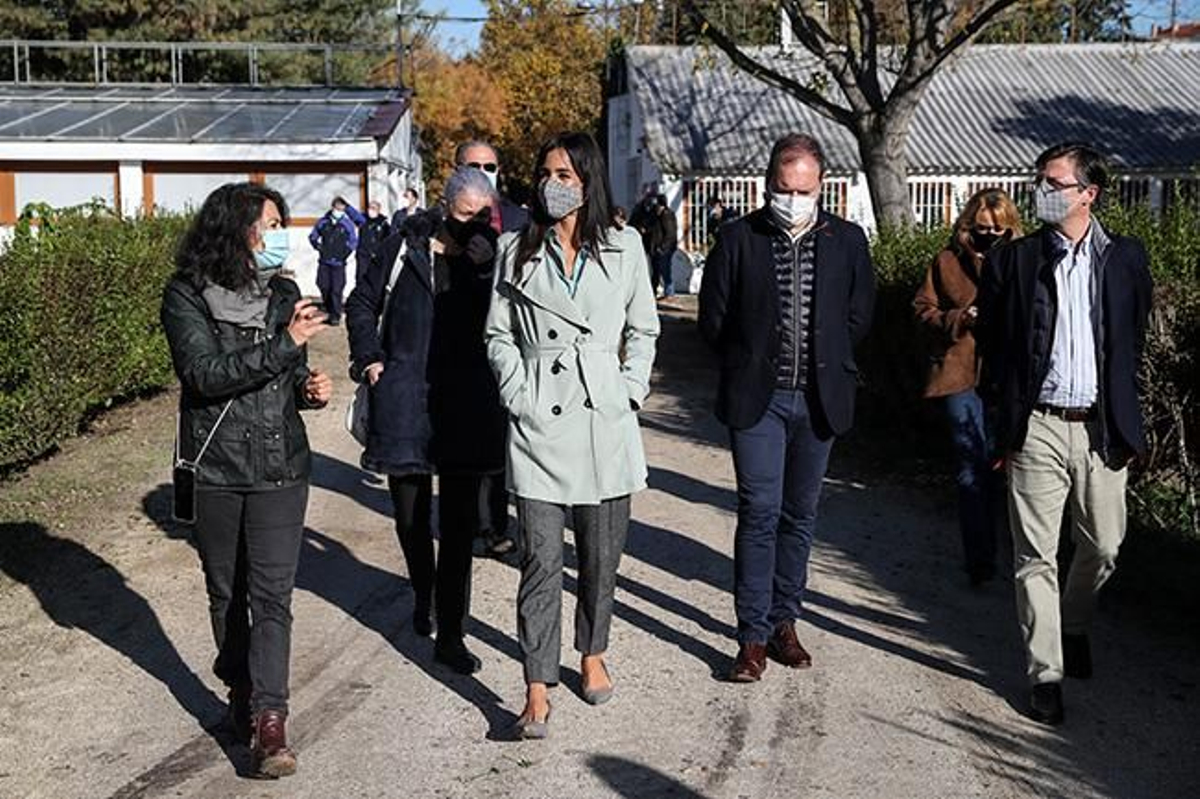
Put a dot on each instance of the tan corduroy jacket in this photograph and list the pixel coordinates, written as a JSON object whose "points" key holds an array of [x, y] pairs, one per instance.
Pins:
{"points": [[941, 302]]}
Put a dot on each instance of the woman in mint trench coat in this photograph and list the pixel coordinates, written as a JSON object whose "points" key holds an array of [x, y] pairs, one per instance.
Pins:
{"points": [[570, 335]]}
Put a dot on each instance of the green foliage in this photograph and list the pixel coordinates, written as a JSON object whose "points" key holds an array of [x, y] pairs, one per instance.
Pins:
{"points": [[894, 359], [81, 293]]}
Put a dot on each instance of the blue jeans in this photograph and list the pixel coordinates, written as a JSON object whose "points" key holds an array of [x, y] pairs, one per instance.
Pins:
{"points": [[661, 272], [977, 482], [780, 463]]}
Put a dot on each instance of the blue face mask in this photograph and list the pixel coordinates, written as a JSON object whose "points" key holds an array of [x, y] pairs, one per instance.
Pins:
{"points": [[336, 214], [274, 252]]}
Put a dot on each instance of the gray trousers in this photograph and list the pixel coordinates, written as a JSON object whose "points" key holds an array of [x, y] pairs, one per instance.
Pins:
{"points": [[600, 532]]}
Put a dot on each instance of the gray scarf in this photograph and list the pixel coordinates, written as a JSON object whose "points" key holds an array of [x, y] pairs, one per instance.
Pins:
{"points": [[246, 308]]}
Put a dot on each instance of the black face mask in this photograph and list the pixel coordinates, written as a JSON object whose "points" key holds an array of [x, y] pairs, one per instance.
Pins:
{"points": [[462, 230], [982, 242]]}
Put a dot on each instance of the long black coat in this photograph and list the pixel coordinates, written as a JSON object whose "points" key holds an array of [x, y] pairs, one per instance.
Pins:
{"points": [[1018, 308], [469, 424], [398, 427], [436, 404], [740, 315]]}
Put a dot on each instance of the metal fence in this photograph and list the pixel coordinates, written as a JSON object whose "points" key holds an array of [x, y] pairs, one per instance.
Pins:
{"points": [[177, 63]]}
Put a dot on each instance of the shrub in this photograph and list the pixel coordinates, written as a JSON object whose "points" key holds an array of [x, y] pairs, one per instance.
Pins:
{"points": [[80, 319]]}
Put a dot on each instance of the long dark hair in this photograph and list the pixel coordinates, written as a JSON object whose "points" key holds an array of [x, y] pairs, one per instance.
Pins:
{"points": [[216, 247], [595, 215]]}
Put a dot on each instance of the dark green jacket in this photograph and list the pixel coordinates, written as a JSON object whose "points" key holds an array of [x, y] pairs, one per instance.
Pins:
{"points": [[261, 443]]}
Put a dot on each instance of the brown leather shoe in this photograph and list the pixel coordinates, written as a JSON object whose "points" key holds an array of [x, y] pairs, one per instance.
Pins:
{"points": [[272, 757], [784, 646], [751, 662]]}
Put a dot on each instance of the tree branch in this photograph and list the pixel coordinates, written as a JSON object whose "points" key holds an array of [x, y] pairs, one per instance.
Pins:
{"points": [[771, 77], [921, 66]]}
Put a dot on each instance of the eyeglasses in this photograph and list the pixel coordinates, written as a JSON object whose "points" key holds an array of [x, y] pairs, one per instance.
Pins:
{"points": [[1042, 180], [491, 167]]}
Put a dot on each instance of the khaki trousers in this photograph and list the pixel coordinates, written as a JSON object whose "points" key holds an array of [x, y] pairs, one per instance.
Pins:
{"points": [[1060, 463]]}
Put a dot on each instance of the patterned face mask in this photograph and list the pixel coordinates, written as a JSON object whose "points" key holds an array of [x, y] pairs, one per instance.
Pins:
{"points": [[560, 199], [1050, 204]]}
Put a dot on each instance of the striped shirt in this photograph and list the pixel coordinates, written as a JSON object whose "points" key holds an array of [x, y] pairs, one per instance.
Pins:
{"points": [[1071, 381]]}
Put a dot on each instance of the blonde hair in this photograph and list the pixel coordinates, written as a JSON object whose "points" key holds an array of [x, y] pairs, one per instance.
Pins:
{"points": [[1003, 209]]}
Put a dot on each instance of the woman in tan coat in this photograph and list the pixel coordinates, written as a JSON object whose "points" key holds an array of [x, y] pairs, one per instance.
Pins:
{"points": [[945, 304]]}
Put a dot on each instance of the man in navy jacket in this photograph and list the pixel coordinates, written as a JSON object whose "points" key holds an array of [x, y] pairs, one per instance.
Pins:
{"points": [[788, 290], [334, 237], [1062, 322]]}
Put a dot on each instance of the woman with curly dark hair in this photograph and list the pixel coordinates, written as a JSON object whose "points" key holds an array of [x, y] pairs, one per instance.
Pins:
{"points": [[237, 331]]}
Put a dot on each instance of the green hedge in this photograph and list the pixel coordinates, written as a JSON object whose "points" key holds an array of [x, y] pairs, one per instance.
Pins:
{"points": [[80, 318], [894, 357]]}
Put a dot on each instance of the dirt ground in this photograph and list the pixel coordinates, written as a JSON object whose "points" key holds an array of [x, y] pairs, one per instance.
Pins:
{"points": [[916, 691]]}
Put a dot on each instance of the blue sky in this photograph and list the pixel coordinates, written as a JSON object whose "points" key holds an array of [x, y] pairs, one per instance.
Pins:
{"points": [[463, 37], [458, 37]]}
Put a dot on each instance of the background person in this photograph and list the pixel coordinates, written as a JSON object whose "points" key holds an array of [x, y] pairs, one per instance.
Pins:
{"points": [[570, 336], [371, 233], [945, 305], [334, 237], [237, 331], [1062, 322], [665, 244], [411, 206]]}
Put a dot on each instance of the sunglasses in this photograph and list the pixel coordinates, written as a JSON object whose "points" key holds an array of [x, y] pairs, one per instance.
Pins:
{"points": [[484, 167]]}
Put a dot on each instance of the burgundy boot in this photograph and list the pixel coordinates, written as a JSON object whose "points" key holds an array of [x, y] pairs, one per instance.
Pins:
{"points": [[272, 757]]}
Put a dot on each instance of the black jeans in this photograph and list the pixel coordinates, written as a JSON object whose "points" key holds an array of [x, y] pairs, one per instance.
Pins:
{"points": [[249, 543], [780, 462]]}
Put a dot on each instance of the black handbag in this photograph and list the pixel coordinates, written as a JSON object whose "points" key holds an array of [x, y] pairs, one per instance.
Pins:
{"points": [[183, 475]]}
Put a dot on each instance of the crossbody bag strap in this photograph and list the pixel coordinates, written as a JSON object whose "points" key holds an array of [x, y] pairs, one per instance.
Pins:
{"points": [[207, 441]]}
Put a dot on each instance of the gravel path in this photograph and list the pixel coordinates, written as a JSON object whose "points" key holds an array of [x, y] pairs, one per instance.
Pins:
{"points": [[916, 689]]}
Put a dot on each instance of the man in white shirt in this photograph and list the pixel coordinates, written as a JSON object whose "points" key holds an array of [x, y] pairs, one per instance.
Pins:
{"points": [[1062, 322]]}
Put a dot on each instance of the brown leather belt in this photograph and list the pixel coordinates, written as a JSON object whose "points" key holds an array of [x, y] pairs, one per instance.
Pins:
{"points": [[1068, 414]]}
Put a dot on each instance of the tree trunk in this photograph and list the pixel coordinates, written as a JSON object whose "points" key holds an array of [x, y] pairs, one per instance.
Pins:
{"points": [[882, 145]]}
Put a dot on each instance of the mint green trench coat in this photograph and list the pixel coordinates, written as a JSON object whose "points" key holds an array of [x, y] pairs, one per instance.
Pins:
{"points": [[572, 371]]}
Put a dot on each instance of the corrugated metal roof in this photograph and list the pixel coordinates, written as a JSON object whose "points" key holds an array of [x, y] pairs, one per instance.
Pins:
{"points": [[196, 114], [993, 109]]}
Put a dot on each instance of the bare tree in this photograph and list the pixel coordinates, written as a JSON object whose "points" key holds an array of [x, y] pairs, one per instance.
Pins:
{"points": [[882, 54]]}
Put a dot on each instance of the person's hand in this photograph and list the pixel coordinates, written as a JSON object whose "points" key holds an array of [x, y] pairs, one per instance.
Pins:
{"points": [[306, 322], [373, 372], [479, 250], [318, 389]]}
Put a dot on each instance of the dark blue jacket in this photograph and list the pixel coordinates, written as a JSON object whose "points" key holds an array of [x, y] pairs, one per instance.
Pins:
{"points": [[740, 316], [398, 426], [335, 239], [1018, 309]]}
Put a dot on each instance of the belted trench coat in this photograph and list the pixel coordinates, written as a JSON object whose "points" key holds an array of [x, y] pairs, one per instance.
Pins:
{"points": [[572, 372]]}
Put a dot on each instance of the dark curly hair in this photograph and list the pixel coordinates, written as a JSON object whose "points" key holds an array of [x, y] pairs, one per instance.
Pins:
{"points": [[216, 247]]}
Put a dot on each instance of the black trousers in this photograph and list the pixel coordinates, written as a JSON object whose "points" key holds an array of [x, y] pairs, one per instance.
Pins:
{"points": [[459, 512], [249, 544]]}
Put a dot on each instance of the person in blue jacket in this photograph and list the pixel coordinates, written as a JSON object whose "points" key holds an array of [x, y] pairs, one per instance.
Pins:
{"points": [[334, 237]]}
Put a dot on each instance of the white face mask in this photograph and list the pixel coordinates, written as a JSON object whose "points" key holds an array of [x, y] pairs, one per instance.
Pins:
{"points": [[793, 210], [1051, 206]]}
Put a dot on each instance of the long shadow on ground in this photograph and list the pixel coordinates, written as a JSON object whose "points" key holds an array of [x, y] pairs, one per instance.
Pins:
{"points": [[80, 590], [1128, 731], [380, 600]]}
